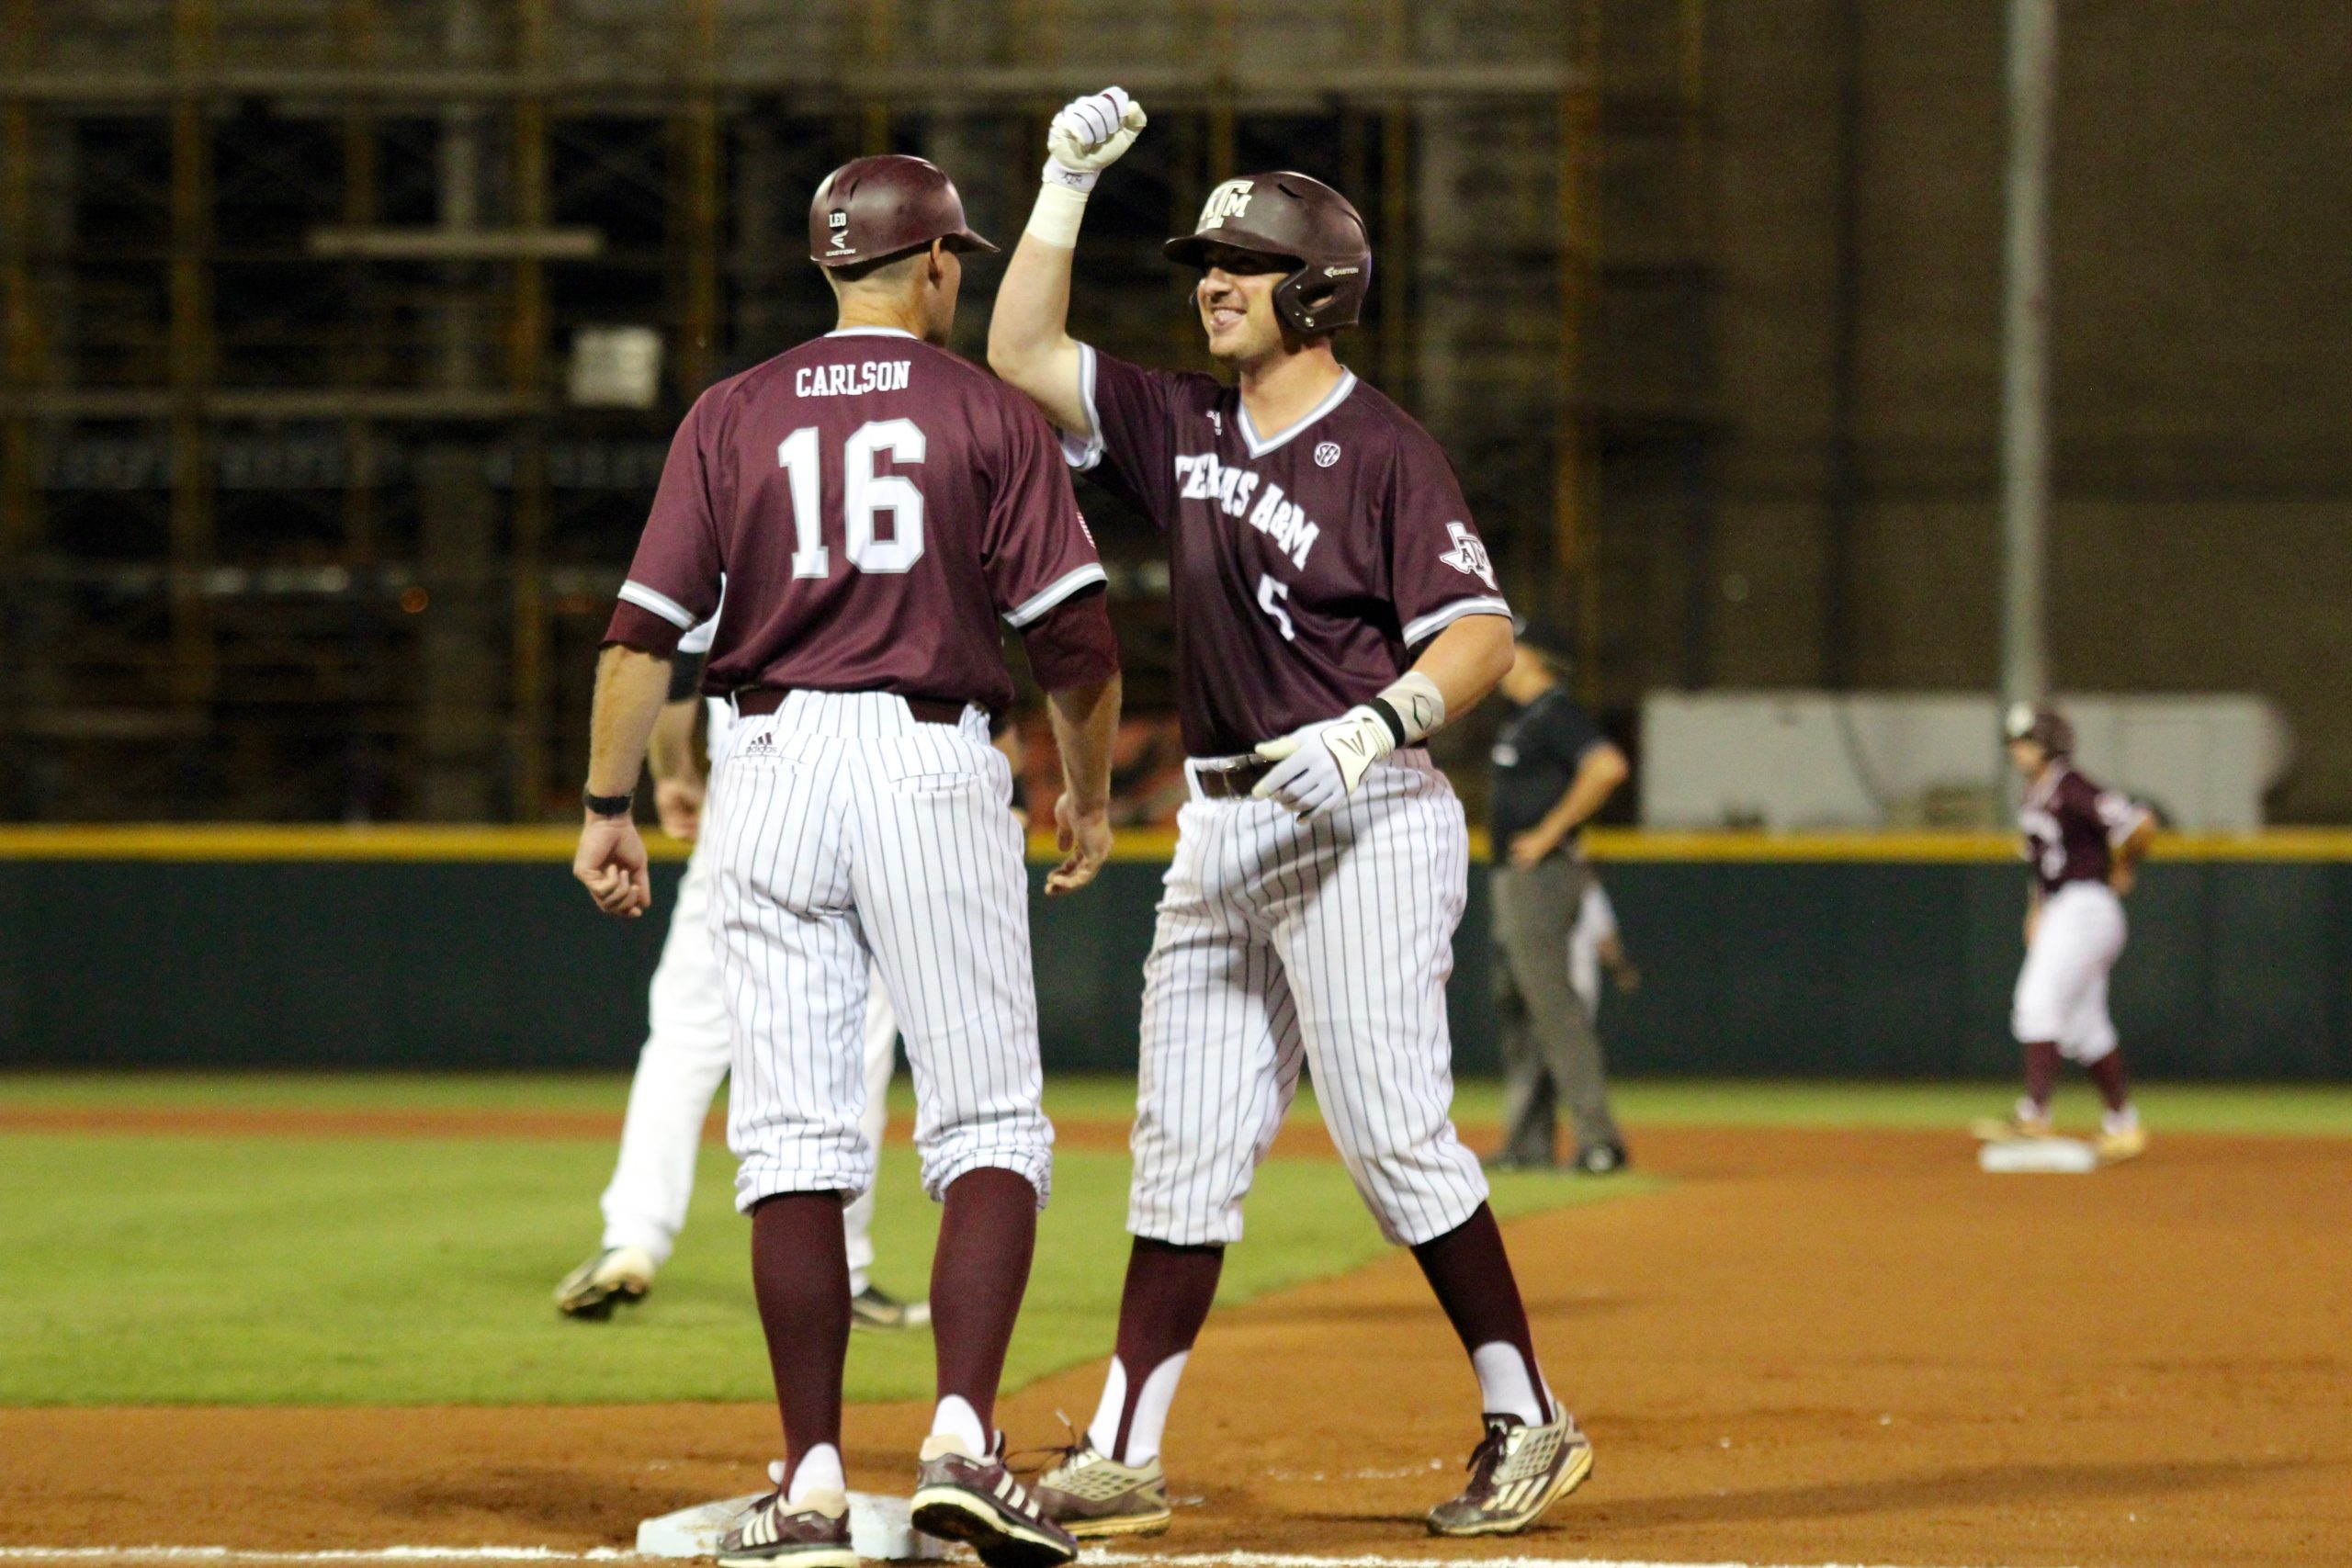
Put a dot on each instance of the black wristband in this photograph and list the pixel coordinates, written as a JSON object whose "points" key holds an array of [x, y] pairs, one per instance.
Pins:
{"points": [[607, 804], [1389, 715]]}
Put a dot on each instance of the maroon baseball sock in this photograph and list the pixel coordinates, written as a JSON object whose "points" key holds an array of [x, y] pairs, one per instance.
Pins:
{"points": [[1471, 1273], [988, 1233], [1167, 1298], [2041, 1074], [800, 1274], [2107, 1074]]}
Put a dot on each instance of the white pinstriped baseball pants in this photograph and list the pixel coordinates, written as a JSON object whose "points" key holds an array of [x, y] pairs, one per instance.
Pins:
{"points": [[1327, 944], [846, 833], [2061, 989], [678, 1072]]}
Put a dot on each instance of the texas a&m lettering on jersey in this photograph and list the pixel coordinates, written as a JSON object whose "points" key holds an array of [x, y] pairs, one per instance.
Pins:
{"points": [[1307, 568], [1201, 477]]}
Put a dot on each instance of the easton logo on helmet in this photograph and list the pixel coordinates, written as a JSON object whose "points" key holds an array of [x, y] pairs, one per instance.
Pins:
{"points": [[1230, 199], [840, 224]]}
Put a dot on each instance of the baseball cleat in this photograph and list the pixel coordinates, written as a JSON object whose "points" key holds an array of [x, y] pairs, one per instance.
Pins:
{"points": [[618, 1276], [1516, 1473], [2115, 1146], [2009, 1129], [1093, 1496], [877, 1309], [813, 1535], [960, 1496]]}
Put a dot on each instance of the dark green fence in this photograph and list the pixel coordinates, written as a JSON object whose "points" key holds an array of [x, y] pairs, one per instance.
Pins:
{"points": [[2238, 968]]}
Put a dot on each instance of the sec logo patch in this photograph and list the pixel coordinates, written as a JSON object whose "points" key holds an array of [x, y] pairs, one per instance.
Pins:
{"points": [[1326, 454]]}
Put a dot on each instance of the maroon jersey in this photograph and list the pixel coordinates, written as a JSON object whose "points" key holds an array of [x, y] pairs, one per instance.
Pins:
{"points": [[873, 504], [2072, 826], [1303, 569]]}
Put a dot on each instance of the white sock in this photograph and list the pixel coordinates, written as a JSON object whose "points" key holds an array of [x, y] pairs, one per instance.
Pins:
{"points": [[820, 1470], [1105, 1431], [1152, 1404], [2121, 1121], [1507, 1386], [957, 1418]]}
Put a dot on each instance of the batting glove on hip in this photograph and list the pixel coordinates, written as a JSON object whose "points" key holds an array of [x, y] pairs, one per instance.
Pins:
{"points": [[1320, 765], [1089, 135]]}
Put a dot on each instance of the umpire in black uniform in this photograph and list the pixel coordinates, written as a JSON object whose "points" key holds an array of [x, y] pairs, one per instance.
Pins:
{"points": [[1553, 770]]}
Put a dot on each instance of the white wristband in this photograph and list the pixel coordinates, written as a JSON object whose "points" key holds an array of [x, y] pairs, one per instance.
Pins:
{"points": [[1419, 706], [1060, 210]]}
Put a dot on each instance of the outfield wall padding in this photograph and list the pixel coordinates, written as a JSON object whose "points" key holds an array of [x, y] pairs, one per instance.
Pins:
{"points": [[2236, 969]]}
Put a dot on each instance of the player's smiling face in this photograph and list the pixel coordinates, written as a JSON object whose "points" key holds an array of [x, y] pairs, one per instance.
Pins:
{"points": [[1236, 296]]}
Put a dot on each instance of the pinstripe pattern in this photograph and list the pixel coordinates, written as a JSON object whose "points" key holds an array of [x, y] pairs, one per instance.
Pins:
{"points": [[842, 831], [1328, 944]]}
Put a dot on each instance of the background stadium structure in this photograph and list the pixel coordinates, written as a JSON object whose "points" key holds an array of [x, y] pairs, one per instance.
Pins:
{"points": [[302, 520]]}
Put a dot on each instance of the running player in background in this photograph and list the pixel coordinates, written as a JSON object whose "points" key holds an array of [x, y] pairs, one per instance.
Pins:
{"points": [[687, 1051], [2083, 844], [1553, 770], [878, 512], [1334, 606]]}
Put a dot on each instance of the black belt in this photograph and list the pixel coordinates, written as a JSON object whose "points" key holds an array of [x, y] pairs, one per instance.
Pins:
{"points": [[1233, 781], [756, 702]]}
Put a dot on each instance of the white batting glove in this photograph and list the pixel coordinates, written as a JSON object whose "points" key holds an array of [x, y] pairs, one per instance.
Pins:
{"points": [[1321, 764], [1088, 136]]}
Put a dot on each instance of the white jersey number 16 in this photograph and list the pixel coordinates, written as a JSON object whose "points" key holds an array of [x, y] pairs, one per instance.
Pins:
{"points": [[864, 493]]}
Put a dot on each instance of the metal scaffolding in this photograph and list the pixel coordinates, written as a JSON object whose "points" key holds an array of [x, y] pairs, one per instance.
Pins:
{"points": [[304, 516]]}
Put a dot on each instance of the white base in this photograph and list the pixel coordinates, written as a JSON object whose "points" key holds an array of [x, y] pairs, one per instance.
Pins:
{"points": [[881, 1529], [2060, 1156]]}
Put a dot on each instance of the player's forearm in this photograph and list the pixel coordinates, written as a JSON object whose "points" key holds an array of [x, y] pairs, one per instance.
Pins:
{"points": [[670, 754], [1086, 724], [1029, 341], [1465, 661], [1598, 776], [631, 686]]}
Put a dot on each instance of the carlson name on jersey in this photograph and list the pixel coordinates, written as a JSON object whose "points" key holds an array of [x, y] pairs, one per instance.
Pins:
{"points": [[849, 380]]}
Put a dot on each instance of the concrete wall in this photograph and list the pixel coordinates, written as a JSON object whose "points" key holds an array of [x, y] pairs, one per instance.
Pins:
{"points": [[2201, 296]]}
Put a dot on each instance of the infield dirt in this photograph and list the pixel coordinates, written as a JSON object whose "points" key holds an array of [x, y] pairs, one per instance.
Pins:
{"points": [[1815, 1346]]}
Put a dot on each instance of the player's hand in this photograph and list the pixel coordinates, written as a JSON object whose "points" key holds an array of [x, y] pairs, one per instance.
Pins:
{"points": [[678, 803], [611, 862], [2123, 879], [1084, 838], [1319, 765], [1627, 977], [1528, 850], [1089, 135]]}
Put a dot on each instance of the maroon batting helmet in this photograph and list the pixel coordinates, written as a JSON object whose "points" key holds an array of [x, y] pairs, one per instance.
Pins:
{"points": [[2046, 727], [872, 208], [1301, 221]]}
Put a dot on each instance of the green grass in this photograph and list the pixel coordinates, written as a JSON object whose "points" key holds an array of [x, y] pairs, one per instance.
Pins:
{"points": [[283, 1270], [280, 1269]]}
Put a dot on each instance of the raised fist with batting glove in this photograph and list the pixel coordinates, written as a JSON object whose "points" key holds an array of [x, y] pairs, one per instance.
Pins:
{"points": [[1089, 135]]}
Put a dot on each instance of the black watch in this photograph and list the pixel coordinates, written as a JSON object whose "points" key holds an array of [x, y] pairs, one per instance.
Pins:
{"points": [[607, 804]]}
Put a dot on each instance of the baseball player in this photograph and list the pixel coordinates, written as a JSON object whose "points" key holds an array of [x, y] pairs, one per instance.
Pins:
{"points": [[873, 505], [2082, 845], [687, 1050], [1553, 770], [1334, 606]]}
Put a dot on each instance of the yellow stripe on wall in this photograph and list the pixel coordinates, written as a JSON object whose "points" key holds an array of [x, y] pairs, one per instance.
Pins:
{"points": [[554, 843]]}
